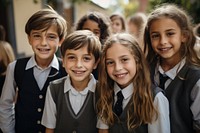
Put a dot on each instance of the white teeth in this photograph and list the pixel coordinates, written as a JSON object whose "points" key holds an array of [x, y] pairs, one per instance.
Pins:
{"points": [[164, 49], [78, 72], [43, 49], [120, 75]]}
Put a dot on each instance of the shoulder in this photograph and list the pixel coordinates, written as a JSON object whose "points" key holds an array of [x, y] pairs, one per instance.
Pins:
{"points": [[161, 103], [21, 62], [193, 73], [12, 65], [58, 81], [195, 70], [156, 90], [23, 59], [56, 88], [159, 96]]}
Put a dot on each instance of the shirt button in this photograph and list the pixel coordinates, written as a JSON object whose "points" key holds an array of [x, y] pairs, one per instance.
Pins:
{"points": [[40, 96], [39, 109], [38, 122]]}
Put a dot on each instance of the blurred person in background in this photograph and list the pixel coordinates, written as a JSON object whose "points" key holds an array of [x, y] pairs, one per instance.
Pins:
{"points": [[118, 23], [6, 56], [136, 24]]}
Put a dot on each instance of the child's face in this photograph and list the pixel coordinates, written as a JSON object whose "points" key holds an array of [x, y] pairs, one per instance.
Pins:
{"points": [[166, 39], [117, 26], [92, 26], [44, 44], [79, 64], [120, 64], [133, 29]]}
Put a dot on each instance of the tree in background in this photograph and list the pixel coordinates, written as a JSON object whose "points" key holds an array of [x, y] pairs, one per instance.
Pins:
{"points": [[191, 6]]}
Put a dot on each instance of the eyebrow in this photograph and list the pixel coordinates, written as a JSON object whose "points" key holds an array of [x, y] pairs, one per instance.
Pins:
{"points": [[165, 30], [88, 54], [122, 56], [35, 32]]}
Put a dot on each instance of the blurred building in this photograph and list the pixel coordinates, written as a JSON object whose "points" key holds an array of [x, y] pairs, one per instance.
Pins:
{"points": [[15, 13]]}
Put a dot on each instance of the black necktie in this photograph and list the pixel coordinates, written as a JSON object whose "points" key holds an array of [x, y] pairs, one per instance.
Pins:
{"points": [[163, 79], [118, 105]]}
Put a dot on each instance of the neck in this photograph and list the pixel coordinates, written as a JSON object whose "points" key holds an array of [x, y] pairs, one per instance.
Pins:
{"points": [[168, 64]]}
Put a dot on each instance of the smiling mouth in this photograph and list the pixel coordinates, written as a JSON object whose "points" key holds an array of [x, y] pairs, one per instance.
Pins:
{"points": [[78, 72], [164, 49], [43, 50], [120, 75]]}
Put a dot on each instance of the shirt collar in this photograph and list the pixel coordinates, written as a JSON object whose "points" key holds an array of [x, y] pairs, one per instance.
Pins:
{"points": [[127, 91], [91, 86], [172, 72], [32, 63]]}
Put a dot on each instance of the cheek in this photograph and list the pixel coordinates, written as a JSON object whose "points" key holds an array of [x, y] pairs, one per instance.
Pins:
{"points": [[132, 67], [67, 64], [64, 63], [154, 44], [133, 71], [109, 71], [90, 65]]}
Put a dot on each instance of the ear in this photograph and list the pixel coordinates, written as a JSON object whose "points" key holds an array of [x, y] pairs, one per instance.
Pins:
{"points": [[96, 64], [61, 41]]}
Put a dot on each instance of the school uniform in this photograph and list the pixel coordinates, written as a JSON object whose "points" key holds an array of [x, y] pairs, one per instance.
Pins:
{"points": [[183, 92], [161, 125], [67, 110], [31, 82]]}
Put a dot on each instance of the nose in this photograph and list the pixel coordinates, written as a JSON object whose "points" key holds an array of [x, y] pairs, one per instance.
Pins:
{"points": [[79, 63], [43, 41], [118, 66], [163, 40]]}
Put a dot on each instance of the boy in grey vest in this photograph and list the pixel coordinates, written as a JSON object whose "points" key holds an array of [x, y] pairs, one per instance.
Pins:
{"points": [[70, 101]]}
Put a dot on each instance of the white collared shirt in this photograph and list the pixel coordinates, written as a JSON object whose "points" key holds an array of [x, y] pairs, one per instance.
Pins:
{"points": [[161, 125], [39, 73], [170, 73], [127, 93], [76, 100]]}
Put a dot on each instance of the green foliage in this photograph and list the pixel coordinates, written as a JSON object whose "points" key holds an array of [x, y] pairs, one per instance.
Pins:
{"points": [[191, 6], [126, 9], [131, 8]]}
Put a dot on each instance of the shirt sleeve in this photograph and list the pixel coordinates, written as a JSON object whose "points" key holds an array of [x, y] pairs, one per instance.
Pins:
{"points": [[195, 108], [7, 101], [49, 113], [101, 124], [162, 123]]}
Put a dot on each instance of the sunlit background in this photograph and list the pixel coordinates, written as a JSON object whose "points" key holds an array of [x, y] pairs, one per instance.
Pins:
{"points": [[15, 13]]}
